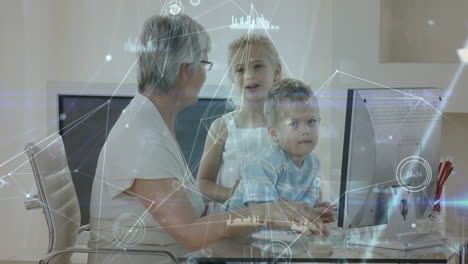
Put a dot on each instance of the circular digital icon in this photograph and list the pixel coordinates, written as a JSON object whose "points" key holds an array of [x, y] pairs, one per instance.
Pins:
{"points": [[413, 173], [207, 252], [276, 252], [174, 8], [195, 2], [129, 230]]}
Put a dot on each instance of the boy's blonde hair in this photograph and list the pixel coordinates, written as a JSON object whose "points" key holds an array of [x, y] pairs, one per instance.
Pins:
{"points": [[249, 40], [287, 91]]}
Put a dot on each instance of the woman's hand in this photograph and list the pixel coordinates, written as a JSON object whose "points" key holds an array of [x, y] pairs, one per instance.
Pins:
{"points": [[323, 204], [281, 214], [323, 209]]}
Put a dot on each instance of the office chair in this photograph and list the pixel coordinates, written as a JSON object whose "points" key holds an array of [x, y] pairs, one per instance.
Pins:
{"points": [[59, 202]]}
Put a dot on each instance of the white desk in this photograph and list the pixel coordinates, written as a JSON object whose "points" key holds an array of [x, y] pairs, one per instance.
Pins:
{"points": [[241, 250]]}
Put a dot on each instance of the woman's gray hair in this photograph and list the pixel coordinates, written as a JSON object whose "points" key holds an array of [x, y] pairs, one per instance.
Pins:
{"points": [[166, 43]]}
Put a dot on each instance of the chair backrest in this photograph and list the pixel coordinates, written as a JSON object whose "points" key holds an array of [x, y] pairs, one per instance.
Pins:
{"points": [[57, 194]]}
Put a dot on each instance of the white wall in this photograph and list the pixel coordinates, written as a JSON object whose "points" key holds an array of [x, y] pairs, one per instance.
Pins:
{"points": [[454, 144], [356, 50], [423, 31], [24, 29], [88, 30]]}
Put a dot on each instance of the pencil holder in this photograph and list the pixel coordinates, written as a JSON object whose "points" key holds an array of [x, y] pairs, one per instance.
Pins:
{"points": [[437, 217]]}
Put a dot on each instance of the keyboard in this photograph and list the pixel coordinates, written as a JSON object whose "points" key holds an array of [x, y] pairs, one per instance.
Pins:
{"points": [[286, 235], [277, 235], [336, 232]]}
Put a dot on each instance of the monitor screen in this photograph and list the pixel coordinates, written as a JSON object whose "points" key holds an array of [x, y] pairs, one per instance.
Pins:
{"points": [[392, 138], [85, 121]]}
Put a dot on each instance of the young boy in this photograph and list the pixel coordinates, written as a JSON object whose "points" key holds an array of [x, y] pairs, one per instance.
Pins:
{"points": [[289, 170]]}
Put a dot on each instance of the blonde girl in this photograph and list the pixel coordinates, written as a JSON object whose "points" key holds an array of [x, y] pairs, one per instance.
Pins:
{"points": [[238, 137]]}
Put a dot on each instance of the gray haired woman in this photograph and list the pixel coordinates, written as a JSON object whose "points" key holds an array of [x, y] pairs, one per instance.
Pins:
{"points": [[143, 194]]}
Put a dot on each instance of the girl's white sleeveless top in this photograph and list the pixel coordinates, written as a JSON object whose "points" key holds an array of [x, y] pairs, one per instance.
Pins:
{"points": [[242, 146]]}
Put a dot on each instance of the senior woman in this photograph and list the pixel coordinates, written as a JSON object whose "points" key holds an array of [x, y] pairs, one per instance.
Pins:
{"points": [[143, 194]]}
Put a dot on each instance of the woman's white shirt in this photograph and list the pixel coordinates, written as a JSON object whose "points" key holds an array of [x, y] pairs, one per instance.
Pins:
{"points": [[139, 146]]}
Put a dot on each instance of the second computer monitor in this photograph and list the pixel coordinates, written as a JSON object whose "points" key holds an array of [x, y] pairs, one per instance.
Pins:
{"points": [[392, 137]]}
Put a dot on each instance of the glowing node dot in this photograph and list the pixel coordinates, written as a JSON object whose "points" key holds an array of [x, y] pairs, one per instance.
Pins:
{"points": [[390, 137], [174, 9], [76, 170], [431, 22], [413, 225], [463, 55], [28, 195], [126, 125], [108, 57], [9, 174], [63, 116]]}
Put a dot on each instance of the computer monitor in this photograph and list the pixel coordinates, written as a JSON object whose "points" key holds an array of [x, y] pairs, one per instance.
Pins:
{"points": [[392, 138], [84, 121]]}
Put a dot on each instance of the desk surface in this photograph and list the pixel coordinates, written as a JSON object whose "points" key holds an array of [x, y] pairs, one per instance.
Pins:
{"points": [[242, 250]]}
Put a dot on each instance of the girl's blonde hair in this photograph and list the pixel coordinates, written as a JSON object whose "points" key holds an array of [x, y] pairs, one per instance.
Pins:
{"points": [[282, 94], [253, 39], [250, 40]]}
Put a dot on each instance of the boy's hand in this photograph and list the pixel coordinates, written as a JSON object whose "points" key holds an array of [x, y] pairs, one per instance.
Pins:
{"points": [[324, 204], [323, 209], [282, 213], [326, 213]]}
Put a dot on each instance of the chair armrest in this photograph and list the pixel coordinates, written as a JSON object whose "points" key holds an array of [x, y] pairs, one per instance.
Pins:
{"points": [[33, 201], [84, 235], [109, 251], [83, 228], [32, 204]]}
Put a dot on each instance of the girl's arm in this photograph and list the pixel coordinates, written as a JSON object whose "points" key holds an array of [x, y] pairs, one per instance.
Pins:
{"points": [[170, 206], [211, 163]]}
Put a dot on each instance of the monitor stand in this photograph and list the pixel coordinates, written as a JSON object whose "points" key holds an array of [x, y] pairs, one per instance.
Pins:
{"points": [[399, 232]]}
